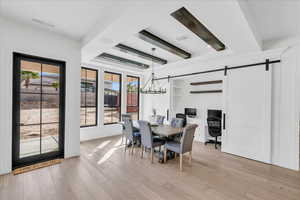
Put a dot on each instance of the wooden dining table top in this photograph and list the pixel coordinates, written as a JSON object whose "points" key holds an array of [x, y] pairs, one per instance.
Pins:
{"points": [[162, 130], [166, 130]]}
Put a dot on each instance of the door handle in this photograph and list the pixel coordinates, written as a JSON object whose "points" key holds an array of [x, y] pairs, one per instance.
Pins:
{"points": [[167, 114], [224, 121]]}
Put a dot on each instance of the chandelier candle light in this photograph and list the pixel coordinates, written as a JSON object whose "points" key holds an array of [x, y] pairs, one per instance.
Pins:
{"points": [[151, 86]]}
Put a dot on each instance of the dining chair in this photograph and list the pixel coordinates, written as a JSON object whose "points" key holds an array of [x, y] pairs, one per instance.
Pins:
{"points": [[182, 116], [177, 122], [147, 139], [123, 116], [160, 119], [130, 134], [184, 146]]}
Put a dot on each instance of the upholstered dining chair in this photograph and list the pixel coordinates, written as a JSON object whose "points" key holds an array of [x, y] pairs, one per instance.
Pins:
{"points": [[123, 116], [160, 119], [147, 139], [131, 135], [177, 123], [184, 146]]}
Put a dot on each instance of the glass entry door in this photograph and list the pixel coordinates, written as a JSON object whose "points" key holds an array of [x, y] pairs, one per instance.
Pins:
{"points": [[38, 109]]}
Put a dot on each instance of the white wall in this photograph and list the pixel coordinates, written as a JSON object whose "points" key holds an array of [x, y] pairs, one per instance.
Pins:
{"points": [[101, 130], [15, 37], [202, 102], [286, 110], [285, 99]]}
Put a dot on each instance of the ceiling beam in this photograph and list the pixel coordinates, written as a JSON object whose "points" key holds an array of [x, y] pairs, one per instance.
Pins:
{"points": [[135, 52], [120, 60], [155, 40], [186, 18]]}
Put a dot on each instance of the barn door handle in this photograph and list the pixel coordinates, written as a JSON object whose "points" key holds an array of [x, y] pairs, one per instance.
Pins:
{"points": [[224, 121], [167, 114]]}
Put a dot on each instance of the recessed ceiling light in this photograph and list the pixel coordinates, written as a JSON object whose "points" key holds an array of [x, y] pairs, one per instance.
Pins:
{"points": [[43, 23]]}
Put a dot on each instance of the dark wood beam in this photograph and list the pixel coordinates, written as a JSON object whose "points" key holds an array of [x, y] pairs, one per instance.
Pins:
{"points": [[144, 55], [120, 60], [155, 40], [186, 18]]}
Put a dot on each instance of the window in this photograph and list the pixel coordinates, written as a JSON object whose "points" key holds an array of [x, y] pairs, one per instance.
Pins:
{"points": [[89, 96], [112, 97], [133, 87]]}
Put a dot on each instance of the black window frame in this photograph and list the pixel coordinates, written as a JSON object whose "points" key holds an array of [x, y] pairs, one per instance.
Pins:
{"points": [[96, 124], [138, 100], [120, 97]]}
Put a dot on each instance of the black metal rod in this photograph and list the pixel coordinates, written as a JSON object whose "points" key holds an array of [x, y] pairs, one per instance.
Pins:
{"points": [[219, 69], [224, 121]]}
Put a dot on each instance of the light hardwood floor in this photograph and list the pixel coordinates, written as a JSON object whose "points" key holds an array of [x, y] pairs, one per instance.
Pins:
{"points": [[104, 172]]}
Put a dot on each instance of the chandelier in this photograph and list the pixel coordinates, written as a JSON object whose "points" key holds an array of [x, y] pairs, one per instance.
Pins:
{"points": [[152, 86]]}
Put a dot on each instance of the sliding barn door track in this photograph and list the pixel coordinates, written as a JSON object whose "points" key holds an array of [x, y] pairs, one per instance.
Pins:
{"points": [[225, 69]]}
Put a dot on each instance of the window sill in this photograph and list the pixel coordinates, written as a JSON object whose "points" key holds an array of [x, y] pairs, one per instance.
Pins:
{"points": [[88, 126]]}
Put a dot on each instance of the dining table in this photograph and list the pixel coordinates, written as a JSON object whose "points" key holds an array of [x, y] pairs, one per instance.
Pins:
{"points": [[161, 130], [164, 130]]}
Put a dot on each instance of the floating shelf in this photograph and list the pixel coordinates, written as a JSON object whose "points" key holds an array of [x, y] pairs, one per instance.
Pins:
{"points": [[206, 91], [207, 82]]}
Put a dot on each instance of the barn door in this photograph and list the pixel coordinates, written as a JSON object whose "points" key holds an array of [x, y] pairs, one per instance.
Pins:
{"points": [[247, 109]]}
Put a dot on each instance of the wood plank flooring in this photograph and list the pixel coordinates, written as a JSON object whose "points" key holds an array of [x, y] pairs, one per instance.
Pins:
{"points": [[105, 172]]}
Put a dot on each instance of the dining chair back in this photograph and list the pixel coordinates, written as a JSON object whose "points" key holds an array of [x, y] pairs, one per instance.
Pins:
{"points": [[177, 123], [128, 126], [160, 119], [147, 139], [187, 138], [127, 115], [146, 134], [185, 145]]}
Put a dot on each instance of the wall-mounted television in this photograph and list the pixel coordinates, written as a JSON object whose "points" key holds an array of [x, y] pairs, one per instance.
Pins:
{"points": [[191, 112]]}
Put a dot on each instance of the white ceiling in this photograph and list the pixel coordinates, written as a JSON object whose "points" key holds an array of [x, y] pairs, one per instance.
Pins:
{"points": [[211, 13], [242, 25], [74, 18], [276, 19]]}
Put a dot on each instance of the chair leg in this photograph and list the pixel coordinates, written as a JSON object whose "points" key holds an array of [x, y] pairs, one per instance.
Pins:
{"points": [[175, 156], [132, 147], [125, 144], [216, 141], [180, 163], [159, 149], [190, 158], [165, 155], [151, 155], [142, 149]]}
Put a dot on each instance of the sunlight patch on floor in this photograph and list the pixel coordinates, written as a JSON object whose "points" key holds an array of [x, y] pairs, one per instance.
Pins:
{"points": [[108, 154], [101, 146]]}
